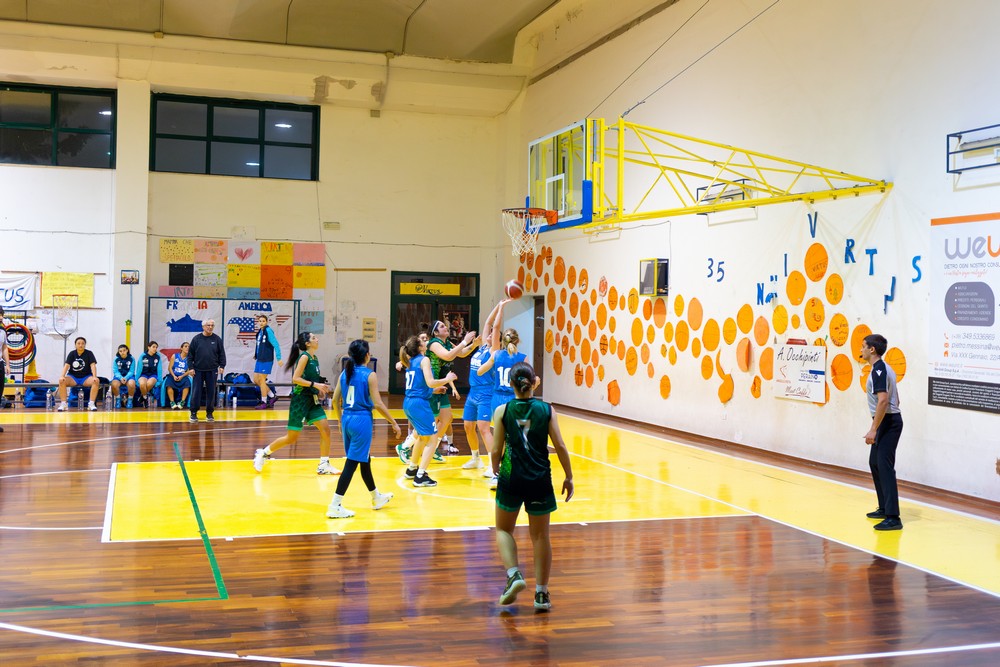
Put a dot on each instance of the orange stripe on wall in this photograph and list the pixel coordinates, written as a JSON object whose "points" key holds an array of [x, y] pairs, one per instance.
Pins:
{"points": [[965, 218]]}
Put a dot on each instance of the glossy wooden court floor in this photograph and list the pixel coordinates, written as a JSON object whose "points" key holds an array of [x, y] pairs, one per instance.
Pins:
{"points": [[135, 538]]}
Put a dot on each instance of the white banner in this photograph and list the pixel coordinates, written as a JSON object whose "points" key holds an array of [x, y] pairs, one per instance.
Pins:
{"points": [[17, 293], [800, 373]]}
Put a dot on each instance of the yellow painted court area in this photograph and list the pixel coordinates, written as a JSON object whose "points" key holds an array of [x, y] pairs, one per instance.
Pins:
{"points": [[620, 476]]}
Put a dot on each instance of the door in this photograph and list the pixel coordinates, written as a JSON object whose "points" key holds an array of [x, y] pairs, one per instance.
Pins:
{"points": [[420, 299], [538, 357]]}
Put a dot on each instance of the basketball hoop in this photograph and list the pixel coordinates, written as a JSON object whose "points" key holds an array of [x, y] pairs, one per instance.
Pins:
{"points": [[522, 225], [65, 316]]}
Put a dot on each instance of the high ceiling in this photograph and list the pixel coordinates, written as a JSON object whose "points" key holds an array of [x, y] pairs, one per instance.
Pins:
{"points": [[476, 30]]}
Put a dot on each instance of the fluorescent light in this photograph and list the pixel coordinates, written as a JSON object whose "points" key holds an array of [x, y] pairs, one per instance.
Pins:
{"points": [[253, 164], [283, 126], [104, 113]]}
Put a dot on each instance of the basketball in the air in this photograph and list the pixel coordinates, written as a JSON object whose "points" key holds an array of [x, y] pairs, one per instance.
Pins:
{"points": [[513, 289]]}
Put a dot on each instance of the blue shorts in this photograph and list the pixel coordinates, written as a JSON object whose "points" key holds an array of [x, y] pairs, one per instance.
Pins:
{"points": [[149, 377], [357, 430], [263, 367], [477, 407], [418, 411], [178, 386], [79, 381], [498, 400]]}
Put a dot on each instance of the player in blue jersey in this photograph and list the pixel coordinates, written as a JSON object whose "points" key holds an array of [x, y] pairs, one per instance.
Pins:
{"points": [[523, 427], [482, 377], [420, 384], [354, 397]]}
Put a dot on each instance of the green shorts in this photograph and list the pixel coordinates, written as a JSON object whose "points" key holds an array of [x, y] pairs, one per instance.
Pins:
{"points": [[303, 410], [439, 401], [538, 497]]}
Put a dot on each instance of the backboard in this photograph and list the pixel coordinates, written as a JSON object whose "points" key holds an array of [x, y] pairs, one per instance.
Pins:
{"points": [[560, 175]]}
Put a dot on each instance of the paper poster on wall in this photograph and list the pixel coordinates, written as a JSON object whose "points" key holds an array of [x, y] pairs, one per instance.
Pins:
{"points": [[800, 373], [275, 281], [309, 254], [310, 299], [244, 252], [210, 251], [178, 291], [311, 320], [239, 333], [964, 346], [81, 284], [309, 277], [173, 321], [276, 252], [181, 274], [244, 275], [176, 251], [214, 275], [210, 292]]}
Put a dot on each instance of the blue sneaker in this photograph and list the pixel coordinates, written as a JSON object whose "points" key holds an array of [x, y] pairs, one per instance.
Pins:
{"points": [[129, 403], [118, 402]]}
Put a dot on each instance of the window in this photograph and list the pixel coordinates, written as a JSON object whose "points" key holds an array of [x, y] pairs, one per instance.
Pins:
{"points": [[65, 127], [197, 135]]}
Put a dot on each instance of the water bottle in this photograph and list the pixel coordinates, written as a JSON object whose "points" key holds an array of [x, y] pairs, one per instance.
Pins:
{"points": [[50, 399], [107, 400], [222, 399], [234, 401], [79, 398]]}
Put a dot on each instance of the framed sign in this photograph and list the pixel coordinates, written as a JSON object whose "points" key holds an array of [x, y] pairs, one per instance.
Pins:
{"points": [[130, 277], [800, 373]]}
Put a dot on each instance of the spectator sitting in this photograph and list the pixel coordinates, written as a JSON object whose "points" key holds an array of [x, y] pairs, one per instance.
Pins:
{"points": [[124, 375], [150, 371], [178, 379]]}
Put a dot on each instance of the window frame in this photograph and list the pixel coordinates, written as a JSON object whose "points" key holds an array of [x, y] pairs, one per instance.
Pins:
{"points": [[211, 103], [55, 129]]}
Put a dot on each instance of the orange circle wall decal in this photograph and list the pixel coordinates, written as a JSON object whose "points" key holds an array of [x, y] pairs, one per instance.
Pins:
{"points": [[644, 353], [834, 289], [695, 348], [600, 373], [672, 356], [707, 367], [663, 350], [761, 331], [539, 265], [562, 295], [678, 305], [612, 297], [593, 297], [612, 324], [592, 330], [795, 322], [650, 334], [572, 354], [896, 360], [583, 281], [560, 318], [557, 362], [594, 359], [726, 389], [659, 312], [577, 334], [695, 314], [795, 288], [710, 336], [559, 272], [549, 340], [584, 312], [574, 304], [744, 318], [571, 277], [839, 329], [647, 309], [744, 352], [681, 334], [650, 371], [668, 332], [631, 361], [589, 376], [602, 315], [815, 314], [865, 372], [564, 346], [766, 363], [546, 279], [621, 302], [857, 338], [602, 286], [614, 393], [520, 274], [636, 331], [578, 375], [842, 372], [612, 346], [729, 331], [779, 319], [585, 350], [621, 350], [665, 387], [816, 262], [550, 299], [755, 387]]}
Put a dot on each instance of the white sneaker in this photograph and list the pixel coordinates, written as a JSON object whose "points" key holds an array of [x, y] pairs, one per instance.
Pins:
{"points": [[493, 483], [92, 407], [473, 464], [63, 407], [258, 458], [488, 472], [325, 468], [338, 512], [381, 500]]}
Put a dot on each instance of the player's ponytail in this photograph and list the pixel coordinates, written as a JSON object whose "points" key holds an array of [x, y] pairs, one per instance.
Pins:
{"points": [[298, 347], [356, 354], [522, 377], [510, 341]]}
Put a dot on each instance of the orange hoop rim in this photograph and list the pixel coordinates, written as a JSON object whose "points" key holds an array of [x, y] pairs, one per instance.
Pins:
{"points": [[551, 217]]}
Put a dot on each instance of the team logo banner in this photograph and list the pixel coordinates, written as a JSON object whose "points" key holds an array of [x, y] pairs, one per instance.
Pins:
{"points": [[17, 293]]}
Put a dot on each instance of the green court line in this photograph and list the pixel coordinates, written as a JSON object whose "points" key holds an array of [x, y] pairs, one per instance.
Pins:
{"points": [[216, 573], [219, 584]]}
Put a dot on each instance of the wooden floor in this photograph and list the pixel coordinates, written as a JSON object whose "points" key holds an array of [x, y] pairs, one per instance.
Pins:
{"points": [[789, 573]]}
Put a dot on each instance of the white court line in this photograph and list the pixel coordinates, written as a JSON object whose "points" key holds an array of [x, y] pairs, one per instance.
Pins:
{"points": [[859, 656], [109, 503], [773, 466], [184, 651], [51, 472]]}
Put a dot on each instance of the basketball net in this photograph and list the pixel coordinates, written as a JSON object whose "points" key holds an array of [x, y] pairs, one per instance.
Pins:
{"points": [[522, 225], [65, 316]]}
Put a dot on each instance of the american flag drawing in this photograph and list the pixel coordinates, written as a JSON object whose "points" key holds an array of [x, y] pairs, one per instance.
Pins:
{"points": [[281, 319], [247, 329]]}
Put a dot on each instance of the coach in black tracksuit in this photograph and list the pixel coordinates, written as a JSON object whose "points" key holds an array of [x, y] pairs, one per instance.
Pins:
{"points": [[207, 357]]}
